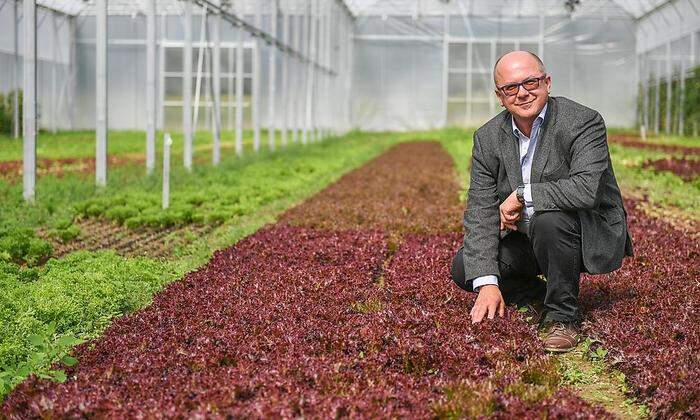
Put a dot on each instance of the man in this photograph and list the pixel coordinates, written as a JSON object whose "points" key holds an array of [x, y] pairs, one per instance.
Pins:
{"points": [[543, 199]]}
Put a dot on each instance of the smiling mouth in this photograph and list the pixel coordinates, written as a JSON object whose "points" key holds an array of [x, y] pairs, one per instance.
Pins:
{"points": [[525, 103]]}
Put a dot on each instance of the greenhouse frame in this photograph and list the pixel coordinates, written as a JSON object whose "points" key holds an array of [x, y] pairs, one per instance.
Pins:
{"points": [[308, 68], [436, 209]]}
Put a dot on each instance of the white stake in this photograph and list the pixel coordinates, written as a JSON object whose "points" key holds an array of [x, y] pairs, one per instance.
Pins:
{"points": [[167, 142]]}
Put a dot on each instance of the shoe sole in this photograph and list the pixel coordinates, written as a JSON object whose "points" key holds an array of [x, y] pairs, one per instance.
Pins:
{"points": [[558, 350]]}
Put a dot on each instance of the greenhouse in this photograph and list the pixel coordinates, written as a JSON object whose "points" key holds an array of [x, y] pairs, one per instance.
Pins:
{"points": [[300, 208]]}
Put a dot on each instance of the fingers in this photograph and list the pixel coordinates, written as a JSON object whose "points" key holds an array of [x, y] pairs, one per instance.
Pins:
{"points": [[492, 310], [511, 226], [478, 313], [501, 308]]}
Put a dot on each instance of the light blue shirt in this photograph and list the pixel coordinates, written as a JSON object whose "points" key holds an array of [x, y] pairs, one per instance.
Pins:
{"points": [[527, 151]]}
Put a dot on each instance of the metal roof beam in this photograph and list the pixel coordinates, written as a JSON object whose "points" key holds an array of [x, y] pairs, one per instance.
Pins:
{"points": [[655, 9], [259, 33]]}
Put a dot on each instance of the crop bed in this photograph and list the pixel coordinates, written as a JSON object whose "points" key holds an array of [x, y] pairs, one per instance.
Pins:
{"points": [[647, 314], [297, 320], [409, 188], [345, 308], [12, 170], [688, 169], [638, 143], [96, 235]]}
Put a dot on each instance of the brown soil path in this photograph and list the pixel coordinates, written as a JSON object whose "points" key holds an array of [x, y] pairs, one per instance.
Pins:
{"points": [[97, 235]]}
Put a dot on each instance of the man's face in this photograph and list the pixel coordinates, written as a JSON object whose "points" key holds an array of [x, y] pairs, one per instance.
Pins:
{"points": [[518, 68]]}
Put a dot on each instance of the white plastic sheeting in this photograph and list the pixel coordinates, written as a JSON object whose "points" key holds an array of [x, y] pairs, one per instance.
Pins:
{"points": [[412, 64], [54, 51], [430, 69], [668, 48]]}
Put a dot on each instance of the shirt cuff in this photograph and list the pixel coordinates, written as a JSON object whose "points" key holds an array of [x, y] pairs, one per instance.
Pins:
{"points": [[527, 195], [484, 280]]}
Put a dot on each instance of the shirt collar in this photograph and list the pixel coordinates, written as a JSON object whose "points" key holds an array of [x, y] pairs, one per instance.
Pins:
{"points": [[539, 119]]}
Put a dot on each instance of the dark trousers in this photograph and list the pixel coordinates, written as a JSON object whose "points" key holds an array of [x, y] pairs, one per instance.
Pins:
{"points": [[553, 248]]}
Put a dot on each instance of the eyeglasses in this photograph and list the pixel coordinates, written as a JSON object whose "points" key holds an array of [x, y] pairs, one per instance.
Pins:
{"points": [[513, 88]]}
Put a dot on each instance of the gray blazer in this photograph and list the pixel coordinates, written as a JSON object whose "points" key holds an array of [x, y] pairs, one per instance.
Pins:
{"points": [[571, 170]]}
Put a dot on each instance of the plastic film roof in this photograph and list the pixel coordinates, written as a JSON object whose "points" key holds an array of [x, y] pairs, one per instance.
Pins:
{"points": [[168, 7], [633, 8]]}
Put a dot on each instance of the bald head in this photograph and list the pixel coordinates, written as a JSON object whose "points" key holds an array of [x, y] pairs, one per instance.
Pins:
{"points": [[516, 61], [522, 86]]}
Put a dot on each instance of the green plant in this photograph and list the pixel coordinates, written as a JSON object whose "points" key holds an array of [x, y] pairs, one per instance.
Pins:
{"points": [[7, 111], [47, 347], [20, 245]]}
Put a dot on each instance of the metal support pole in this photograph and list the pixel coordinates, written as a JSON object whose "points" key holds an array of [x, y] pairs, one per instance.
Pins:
{"points": [[296, 73], [320, 79], [239, 91], [272, 79], [492, 98], [326, 77], [285, 80], [445, 65], [167, 142], [150, 86], [54, 75], [230, 104], [657, 99], [73, 71], [101, 93], [216, 86], [255, 97], [29, 104], [669, 92], [350, 72], [198, 77], [681, 101], [187, 88], [304, 72], [15, 73], [161, 75], [310, 75], [314, 74], [645, 99]]}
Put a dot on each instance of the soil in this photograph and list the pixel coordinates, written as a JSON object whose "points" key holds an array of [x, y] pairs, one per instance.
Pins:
{"points": [[97, 235]]}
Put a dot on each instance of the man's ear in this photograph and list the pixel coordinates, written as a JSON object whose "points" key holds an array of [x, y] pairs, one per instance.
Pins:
{"points": [[498, 96]]}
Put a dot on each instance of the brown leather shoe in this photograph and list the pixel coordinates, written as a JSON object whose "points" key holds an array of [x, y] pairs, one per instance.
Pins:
{"points": [[561, 337]]}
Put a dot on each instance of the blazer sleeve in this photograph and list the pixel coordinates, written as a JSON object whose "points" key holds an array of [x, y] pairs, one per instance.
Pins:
{"points": [[589, 161], [481, 218]]}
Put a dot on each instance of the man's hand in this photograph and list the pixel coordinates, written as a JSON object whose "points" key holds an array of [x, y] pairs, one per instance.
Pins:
{"points": [[510, 211], [488, 302]]}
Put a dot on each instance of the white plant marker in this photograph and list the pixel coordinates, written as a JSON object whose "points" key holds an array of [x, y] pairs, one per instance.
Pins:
{"points": [[167, 142]]}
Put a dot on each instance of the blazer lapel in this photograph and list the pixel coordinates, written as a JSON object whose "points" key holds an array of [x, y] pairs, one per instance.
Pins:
{"points": [[544, 142], [510, 153]]}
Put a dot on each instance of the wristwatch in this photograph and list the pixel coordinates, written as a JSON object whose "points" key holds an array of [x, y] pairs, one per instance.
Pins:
{"points": [[520, 194]]}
